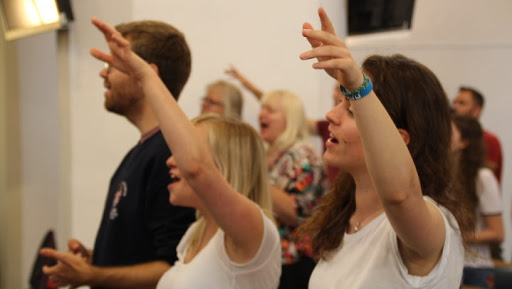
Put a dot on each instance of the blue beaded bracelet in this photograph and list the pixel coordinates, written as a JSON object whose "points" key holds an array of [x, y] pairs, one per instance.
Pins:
{"points": [[361, 91]]}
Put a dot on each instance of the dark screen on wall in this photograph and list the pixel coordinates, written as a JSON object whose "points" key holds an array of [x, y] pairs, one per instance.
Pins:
{"points": [[371, 16]]}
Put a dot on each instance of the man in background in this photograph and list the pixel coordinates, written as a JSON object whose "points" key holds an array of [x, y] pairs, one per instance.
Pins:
{"points": [[470, 101], [140, 229]]}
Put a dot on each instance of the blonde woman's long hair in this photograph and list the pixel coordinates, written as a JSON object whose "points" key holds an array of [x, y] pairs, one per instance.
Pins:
{"points": [[296, 122], [239, 154]]}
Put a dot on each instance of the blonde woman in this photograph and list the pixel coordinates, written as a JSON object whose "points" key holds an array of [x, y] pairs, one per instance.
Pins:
{"points": [[315, 127], [234, 244], [297, 176]]}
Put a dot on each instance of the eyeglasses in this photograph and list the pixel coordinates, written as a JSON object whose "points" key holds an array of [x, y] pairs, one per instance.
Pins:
{"points": [[212, 102]]}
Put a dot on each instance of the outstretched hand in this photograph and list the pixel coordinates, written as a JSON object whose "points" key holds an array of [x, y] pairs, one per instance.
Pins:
{"points": [[332, 53], [233, 71], [121, 57], [70, 269]]}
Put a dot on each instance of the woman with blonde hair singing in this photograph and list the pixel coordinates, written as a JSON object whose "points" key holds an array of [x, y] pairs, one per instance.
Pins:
{"points": [[297, 176]]}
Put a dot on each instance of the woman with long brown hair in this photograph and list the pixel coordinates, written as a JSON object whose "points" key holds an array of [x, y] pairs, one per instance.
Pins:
{"points": [[482, 189], [391, 220]]}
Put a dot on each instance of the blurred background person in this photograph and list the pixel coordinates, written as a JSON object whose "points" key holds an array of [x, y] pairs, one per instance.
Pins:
{"points": [[482, 189], [470, 101], [297, 176], [223, 98], [315, 126]]}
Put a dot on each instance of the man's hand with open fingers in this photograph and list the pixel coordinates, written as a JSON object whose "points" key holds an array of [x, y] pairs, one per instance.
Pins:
{"points": [[75, 247], [70, 269]]}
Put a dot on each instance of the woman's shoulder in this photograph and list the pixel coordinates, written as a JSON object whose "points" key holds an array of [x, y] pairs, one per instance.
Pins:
{"points": [[447, 215], [486, 181], [485, 173], [269, 249]]}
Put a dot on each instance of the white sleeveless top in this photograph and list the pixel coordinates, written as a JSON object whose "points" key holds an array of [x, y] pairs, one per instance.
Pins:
{"points": [[211, 268], [370, 259]]}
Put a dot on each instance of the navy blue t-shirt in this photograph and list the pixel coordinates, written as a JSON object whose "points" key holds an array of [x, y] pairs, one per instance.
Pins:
{"points": [[139, 225]]}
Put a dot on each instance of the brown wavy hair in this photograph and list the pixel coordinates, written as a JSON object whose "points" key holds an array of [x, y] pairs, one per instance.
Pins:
{"points": [[417, 103], [471, 158]]}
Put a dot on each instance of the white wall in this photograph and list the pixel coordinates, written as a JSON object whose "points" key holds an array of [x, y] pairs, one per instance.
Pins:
{"points": [[465, 42], [34, 153], [39, 137], [261, 38], [98, 139], [10, 216]]}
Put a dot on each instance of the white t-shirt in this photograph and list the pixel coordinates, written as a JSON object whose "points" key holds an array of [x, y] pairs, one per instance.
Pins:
{"points": [[211, 268], [489, 203], [370, 259]]}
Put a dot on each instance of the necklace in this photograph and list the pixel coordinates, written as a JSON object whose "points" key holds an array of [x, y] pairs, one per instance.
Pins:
{"points": [[357, 225]]}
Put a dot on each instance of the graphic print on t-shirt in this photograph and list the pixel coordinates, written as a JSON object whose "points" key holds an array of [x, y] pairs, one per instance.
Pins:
{"points": [[121, 192]]}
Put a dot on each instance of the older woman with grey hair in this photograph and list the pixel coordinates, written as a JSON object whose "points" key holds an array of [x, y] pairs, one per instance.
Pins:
{"points": [[223, 98]]}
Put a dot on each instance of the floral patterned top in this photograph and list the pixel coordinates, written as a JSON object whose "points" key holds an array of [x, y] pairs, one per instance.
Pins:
{"points": [[300, 172]]}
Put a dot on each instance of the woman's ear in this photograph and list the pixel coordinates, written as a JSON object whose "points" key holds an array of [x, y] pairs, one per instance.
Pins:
{"points": [[405, 135]]}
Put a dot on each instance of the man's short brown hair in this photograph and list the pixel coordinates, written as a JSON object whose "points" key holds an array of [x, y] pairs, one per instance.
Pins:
{"points": [[477, 95], [163, 45]]}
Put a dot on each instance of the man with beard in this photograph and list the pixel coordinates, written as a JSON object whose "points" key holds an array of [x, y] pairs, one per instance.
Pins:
{"points": [[140, 229]]}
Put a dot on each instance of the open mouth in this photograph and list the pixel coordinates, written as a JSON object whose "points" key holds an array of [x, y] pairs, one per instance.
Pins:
{"points": [[174, 178], [264, 125], [333, 139]]}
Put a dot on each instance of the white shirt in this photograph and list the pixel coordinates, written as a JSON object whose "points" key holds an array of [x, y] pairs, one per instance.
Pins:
{"points": [[211, 268], [489, 203], [370, 259]]}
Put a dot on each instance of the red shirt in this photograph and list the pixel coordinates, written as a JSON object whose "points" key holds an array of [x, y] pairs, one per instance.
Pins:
{"points": [[494, 156]]}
